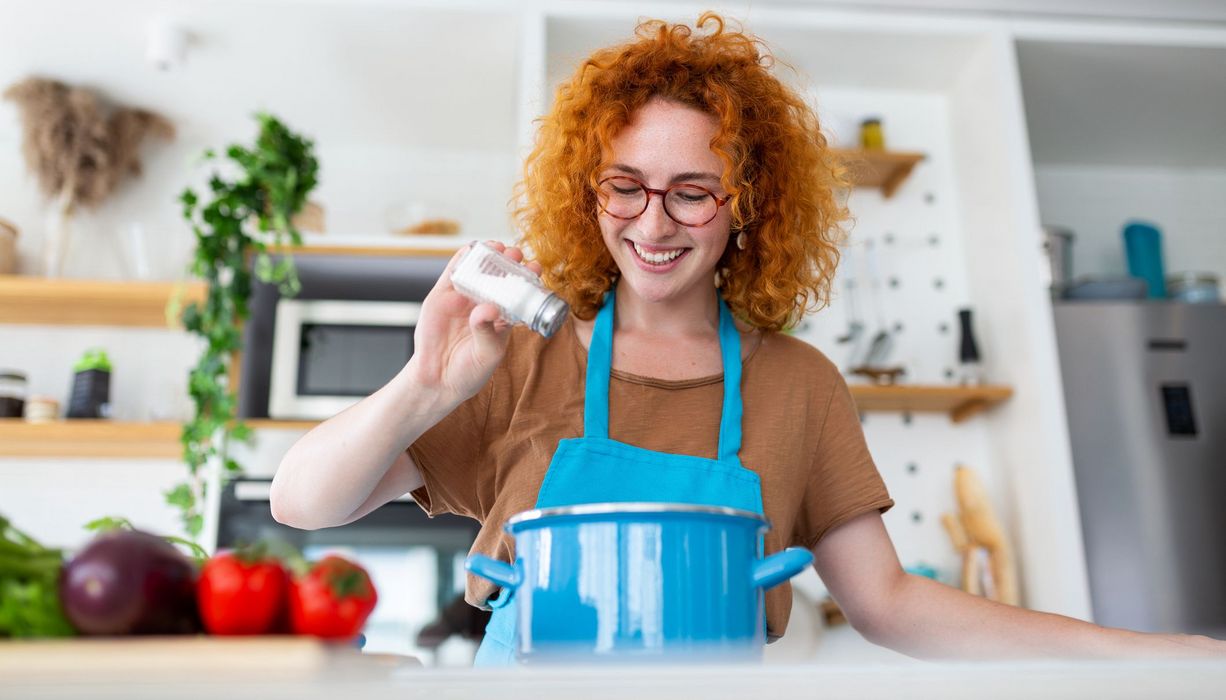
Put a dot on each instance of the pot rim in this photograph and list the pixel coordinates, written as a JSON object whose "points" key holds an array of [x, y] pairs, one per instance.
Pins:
{"points": [[630, 508]]}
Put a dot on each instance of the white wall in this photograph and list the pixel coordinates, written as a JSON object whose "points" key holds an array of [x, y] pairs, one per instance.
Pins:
{"points": [[1095, 202], [372, 83]]}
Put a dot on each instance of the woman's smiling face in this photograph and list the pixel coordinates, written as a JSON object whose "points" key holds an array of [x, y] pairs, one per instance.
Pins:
{"points": [[665, 144]]}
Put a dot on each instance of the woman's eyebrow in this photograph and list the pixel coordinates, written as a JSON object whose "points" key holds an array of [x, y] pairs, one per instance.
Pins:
{"points": [[679, 177]]}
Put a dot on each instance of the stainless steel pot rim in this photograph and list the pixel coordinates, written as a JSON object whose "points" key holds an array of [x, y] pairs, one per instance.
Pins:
{"points": [[632, 509]]}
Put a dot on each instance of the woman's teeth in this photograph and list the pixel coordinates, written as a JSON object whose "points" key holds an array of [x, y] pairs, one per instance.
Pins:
{"points": [[657, 258]]}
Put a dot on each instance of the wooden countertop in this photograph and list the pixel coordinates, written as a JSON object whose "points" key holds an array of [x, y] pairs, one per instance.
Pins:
{"points": [[302, 670]]}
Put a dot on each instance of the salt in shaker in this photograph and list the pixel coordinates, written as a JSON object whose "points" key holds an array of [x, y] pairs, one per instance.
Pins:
{"points": [[485, 275]]}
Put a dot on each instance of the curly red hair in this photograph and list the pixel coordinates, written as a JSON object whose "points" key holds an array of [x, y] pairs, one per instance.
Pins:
{"points": [[777, 168]]}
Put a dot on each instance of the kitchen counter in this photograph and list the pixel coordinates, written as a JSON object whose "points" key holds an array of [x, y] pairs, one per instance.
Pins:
{"points": [[1028, 680]]}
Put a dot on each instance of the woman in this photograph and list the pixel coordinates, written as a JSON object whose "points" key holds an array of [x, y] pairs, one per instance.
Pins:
{"points": [[681, 199]]}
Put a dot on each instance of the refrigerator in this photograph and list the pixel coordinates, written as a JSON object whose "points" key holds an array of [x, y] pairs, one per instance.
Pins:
{"points": [[1145, 394]]}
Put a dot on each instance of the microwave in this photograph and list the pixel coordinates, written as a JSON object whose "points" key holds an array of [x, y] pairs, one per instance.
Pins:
{"points": [[327, 354]]}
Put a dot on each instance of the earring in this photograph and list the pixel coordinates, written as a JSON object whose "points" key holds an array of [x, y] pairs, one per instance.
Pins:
{"points": [[740, 241], [719, 277]]}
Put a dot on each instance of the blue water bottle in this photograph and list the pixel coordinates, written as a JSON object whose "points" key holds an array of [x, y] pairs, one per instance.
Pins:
{"points": [[1143, 247]]}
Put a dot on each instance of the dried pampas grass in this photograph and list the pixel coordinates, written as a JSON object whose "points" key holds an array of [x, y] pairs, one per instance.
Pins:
{"points": [[77, 147]]}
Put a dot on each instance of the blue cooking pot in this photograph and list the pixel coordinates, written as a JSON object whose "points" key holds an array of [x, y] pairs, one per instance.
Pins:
{"points": [[639, 582]]}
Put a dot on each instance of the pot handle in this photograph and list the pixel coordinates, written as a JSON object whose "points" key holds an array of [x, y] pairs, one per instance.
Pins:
{"points": [[506, 575], [781, 566]]}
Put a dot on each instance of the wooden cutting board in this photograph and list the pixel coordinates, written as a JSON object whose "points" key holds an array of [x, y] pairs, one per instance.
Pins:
{"points": [[186, 657]]}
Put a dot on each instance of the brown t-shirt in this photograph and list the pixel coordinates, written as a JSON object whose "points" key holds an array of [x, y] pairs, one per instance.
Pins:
{"points": [[801, 434]]}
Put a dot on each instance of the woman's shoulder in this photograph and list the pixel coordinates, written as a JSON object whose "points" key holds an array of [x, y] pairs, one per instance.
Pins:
{"points": [[782, 349], [527, 349], [784, 362]]}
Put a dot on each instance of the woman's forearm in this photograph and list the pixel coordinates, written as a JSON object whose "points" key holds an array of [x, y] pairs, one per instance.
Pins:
{"points": [[927, 619], [333, 470]]}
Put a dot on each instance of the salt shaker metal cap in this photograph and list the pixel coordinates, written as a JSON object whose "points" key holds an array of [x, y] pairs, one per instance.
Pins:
{"points": [[487, 276]]}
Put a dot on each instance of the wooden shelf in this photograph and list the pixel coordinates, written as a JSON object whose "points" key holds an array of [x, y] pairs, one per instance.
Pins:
{"points": [[69, 302], [80, 437], [160, 440], [884, 169], [961, 402]]}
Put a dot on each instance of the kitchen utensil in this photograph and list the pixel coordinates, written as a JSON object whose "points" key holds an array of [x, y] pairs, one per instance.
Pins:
{"points": [[984, 530], [1194, 288], [639, 582], [1058, 247], [882, 342], [1143, 247], [854, 337], [968, 350]]}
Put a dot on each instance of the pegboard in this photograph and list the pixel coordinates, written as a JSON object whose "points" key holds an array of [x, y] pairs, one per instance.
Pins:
{"points": [[904, 272]]}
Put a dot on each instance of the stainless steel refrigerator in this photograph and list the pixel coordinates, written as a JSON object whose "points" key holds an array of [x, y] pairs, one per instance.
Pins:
{"points": [[1145, 391]]}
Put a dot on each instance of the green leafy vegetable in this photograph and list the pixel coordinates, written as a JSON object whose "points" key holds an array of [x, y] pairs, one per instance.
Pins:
{"points": [[29, 577]]}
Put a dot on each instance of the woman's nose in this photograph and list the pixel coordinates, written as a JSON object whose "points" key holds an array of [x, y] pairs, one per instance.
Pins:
{"points": [[654, 222]]}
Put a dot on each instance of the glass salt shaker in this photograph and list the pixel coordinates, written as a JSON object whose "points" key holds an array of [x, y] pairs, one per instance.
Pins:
{"points": [[485, 275]]}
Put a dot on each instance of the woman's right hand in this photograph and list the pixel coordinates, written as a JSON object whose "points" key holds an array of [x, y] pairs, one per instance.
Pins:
{"points": [[458, 342]]}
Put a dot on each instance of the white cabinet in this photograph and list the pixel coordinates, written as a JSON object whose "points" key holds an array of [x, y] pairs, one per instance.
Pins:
{"points": [[1130, 126]]}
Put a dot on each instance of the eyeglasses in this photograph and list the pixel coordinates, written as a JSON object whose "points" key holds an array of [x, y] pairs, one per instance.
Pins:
{"points": [[689, 205]]}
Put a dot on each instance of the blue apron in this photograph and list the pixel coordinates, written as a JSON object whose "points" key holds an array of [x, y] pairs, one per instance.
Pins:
{"points": [[595, 469]]}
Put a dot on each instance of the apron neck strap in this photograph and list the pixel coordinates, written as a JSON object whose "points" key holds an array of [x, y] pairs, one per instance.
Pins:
{"points": [[599, 366], [730, 351]]}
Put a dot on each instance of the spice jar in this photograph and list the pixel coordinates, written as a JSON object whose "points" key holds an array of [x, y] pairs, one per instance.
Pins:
{"points": [[871, 135], [42, 409], [487, 276], [12, 394]]}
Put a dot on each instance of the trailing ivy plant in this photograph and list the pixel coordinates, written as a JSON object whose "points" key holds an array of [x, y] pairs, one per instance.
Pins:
{"points": [[247, 211]]}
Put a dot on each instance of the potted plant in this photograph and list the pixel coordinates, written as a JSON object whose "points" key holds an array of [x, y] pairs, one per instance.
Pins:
{"points": [[247, 212]]}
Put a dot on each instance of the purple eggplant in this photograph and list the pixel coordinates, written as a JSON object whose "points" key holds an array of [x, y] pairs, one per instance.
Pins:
{"points": [[129, 582]]}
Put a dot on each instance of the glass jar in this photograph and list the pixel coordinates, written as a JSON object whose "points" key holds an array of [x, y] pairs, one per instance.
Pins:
{"points": [[12, 394], [872, 137], [1194, 288], [487, 276]]}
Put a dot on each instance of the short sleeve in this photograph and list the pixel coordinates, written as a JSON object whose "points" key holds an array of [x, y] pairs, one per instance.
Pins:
{"points": [[449, 457], [843, 480]]}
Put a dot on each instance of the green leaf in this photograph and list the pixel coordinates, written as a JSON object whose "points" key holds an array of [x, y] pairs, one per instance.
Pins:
{"points": [[194, 524], [108, 523], [240, 431], [182, 496], [198, 553]]}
